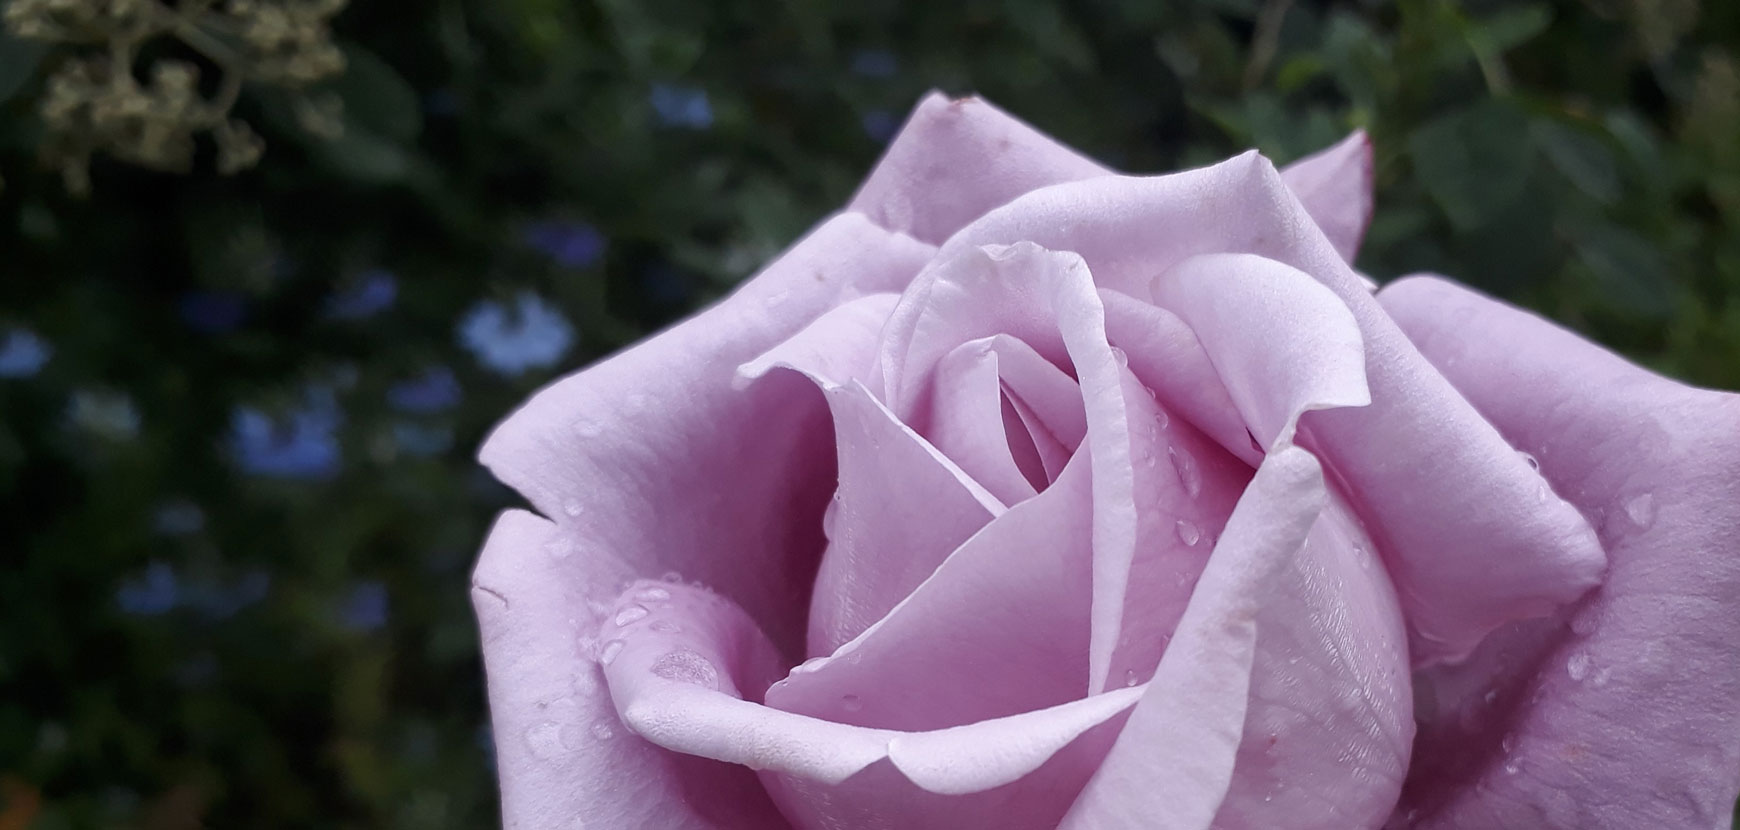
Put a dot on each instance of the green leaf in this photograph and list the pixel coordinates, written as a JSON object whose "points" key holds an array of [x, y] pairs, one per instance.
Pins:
{"points": [[1630, 272], [1511, 28], [1475, 161], [1581, 156], [376, 97], [18, 61]]}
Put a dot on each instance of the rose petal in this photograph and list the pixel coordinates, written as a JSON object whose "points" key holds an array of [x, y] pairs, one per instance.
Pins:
{"points": [[1166, 357], [838, 348], [1173, 762], [1626, 717], [875, 557], [563, 757], [1000, 628], [675, 671], [1048, 301], [983, 382], [1469, 546], [1335, 186], [1282, 343], [1329, 725], [630, 451], [956, 159]]}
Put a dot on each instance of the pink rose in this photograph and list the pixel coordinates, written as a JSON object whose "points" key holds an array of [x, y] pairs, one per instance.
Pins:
{"points": [[1100, 501]]}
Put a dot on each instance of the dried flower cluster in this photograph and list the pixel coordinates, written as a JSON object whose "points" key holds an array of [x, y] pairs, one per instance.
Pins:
{"points": [[97, 101]]}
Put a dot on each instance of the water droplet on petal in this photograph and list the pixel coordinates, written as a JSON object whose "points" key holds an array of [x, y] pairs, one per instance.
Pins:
{"points": [[573, 507], [1534, 463], [630, 614], [560, 547], [545, 740], [1512, 766], [1602, 675], [1188, 532], [652, 595], [1130, 678], [686, 666], [602, 730], [1578, 666], [672, 576], [851, 703], [608, 653], [1641, 509], [665, 627], [1119, 356], [1490, 696], [1188, 476], [1507, 743]]}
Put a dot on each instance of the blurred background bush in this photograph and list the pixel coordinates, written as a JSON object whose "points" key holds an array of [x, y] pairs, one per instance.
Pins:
{"points": [[237, 412]]}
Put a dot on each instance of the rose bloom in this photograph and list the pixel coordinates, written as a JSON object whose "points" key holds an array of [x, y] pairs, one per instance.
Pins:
{"points": [[1024, 494]]}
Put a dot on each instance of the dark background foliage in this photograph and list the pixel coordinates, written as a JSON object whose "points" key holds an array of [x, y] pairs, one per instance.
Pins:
{"points": [[237, 415]]}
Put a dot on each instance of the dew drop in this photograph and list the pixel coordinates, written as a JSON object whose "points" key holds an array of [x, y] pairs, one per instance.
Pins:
{"points": [[851, 703], [608, 653], [630, 614], [1490, 696], [573, 507], [1119, 356], [1188, 476], [1641, 509], [1578, 666], [560, 547], [687, 666], [1534, 463], [652, 595], [1512, 766], [1188, 532], [602, 730], [545, 740], [672, 577], [1602, 675], [1161, 419], [1130, 678], [1508, 744], [665, 627]]}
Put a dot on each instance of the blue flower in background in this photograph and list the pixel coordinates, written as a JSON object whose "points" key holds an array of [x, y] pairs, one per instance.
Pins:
{"points": [[155, 592], [373, 293], [569, 244], [214, 312], [417, 439], [103, 413], [875, 63], [299, 444], [178, 517], [681, 106], [220, 600], [365, 608], [433, 391], [880, 124], [531, 335], [22, 353]]}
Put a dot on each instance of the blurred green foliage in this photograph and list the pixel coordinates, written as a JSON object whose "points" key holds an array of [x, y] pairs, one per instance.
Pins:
{"points": [[237, 500]]}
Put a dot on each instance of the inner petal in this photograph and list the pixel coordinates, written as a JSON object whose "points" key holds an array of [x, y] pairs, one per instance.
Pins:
{"points": [[1007, 415]]}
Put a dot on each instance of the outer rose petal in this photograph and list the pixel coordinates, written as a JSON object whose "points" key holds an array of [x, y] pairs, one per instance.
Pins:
{"points": [[680, 663], [656, 457], [954, 160], [563, 757], [1334, 185], [1625, 717]]}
